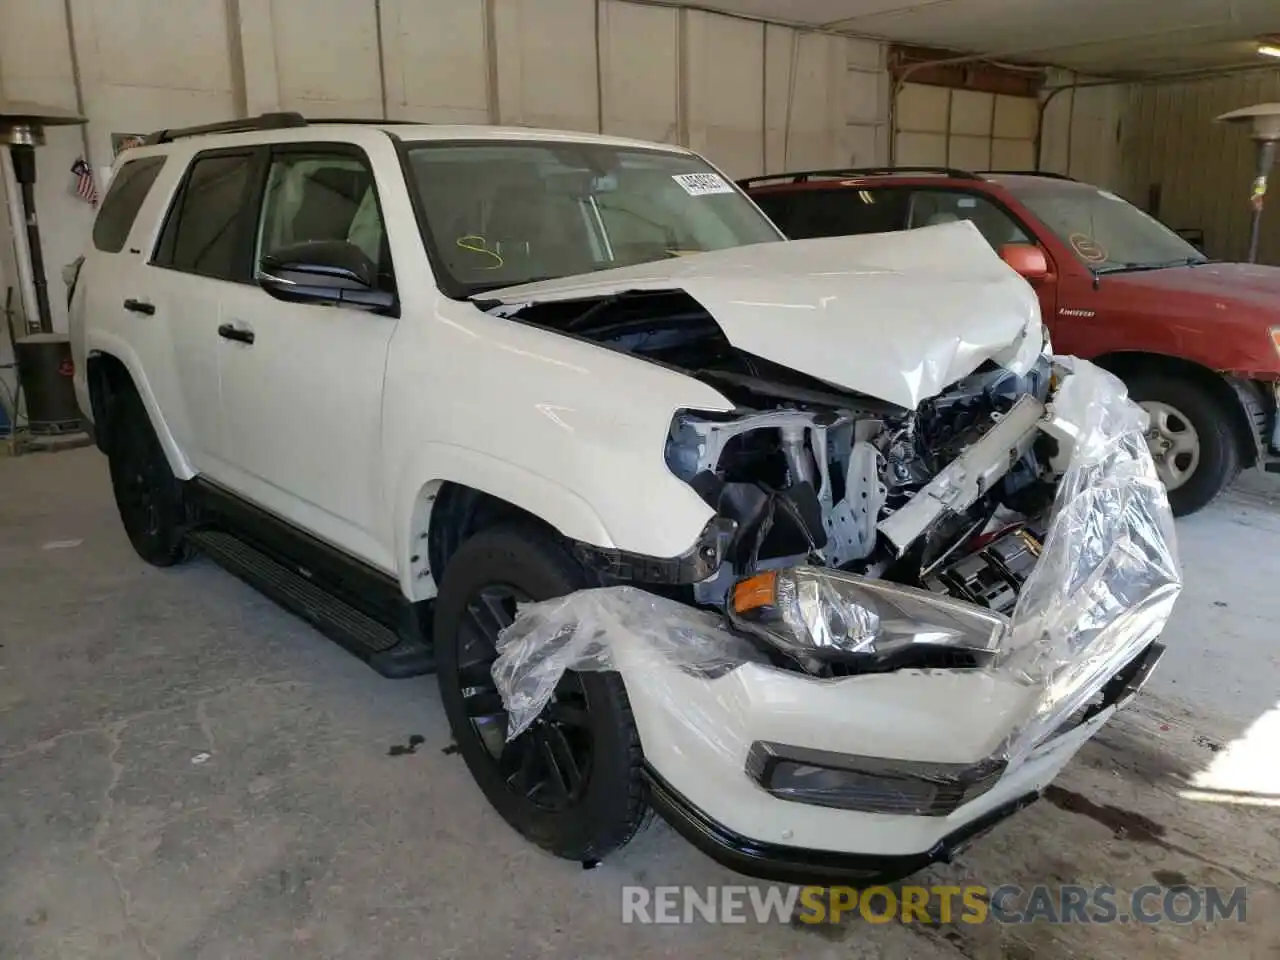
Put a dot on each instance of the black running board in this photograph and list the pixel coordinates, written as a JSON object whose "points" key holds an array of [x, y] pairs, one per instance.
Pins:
{"points": [[393, 653]]}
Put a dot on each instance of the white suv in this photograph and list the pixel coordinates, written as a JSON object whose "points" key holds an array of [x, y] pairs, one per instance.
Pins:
{"points": [[405, 378]]}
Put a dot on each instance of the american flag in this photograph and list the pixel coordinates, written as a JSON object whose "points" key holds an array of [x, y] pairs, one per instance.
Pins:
{"points": [[85, 188]]}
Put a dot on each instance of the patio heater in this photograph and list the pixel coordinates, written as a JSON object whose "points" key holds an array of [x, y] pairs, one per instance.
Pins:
{"points": [[1264, 127], [43, 357]]}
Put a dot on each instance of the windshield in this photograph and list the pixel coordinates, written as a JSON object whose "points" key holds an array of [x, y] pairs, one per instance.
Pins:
{"points": [[499, 214], [1105, 232]]}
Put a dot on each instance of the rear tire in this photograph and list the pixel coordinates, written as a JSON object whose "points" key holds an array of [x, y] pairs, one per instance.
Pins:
{"points": [[148, 496], [590, 798], [1188, 410]]}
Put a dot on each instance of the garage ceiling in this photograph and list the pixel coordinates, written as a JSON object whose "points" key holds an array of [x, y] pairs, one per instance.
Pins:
{"points": [[1105, 37]]}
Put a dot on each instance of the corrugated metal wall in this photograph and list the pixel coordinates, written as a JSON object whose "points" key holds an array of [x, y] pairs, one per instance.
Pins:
{"points": [[1084, 130], [1203, 170]]}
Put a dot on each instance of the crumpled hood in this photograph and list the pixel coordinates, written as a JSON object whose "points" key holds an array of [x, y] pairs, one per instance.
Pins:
{"points": [[896, 316]]}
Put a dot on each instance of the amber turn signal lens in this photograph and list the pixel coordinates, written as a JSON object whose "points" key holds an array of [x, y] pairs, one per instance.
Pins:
{"points": [[753, 592]]}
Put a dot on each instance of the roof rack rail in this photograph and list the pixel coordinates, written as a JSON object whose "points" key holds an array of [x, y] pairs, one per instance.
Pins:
{"points": [[803, 176], [265, 121], [370, 120], [1027, 173]]}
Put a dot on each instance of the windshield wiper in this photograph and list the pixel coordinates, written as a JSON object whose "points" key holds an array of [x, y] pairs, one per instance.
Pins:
{"points": [[476, 288], [1138, 267]]}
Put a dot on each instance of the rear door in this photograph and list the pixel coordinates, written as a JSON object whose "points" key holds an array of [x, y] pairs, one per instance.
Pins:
{"points": [[202, 255], [302, 383]]}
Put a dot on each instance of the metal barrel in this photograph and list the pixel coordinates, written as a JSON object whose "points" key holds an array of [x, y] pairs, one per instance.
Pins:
{"points": [[45, 368]]}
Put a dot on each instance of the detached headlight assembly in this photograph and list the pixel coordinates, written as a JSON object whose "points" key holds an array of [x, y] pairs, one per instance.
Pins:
{"points": [[813, 613]]}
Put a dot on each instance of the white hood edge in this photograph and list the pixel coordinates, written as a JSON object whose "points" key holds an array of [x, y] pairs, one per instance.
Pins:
{"points": [[896, 316]]}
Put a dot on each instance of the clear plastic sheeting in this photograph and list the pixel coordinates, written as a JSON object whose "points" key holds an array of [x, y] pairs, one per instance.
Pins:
{"points": [[1101, 591], [574, 633], [1108, 573]]}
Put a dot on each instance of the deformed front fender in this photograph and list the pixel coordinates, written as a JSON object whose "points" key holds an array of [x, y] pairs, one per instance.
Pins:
{"points": [[433, 464]]}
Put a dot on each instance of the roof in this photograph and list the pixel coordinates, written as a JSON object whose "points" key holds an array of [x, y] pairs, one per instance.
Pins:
{"points": [[450, 131], [287, 126], [1015, 180]]}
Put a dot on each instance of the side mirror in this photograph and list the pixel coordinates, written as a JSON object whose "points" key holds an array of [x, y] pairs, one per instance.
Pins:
{"points": [[1026, 258], [334, 272]]}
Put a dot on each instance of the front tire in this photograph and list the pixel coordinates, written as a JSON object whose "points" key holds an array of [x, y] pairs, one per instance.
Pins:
{"points": [[1191, 439], [572, 782], [148, 496]]}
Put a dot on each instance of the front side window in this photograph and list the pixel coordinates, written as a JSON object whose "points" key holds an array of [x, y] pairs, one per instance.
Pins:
{"points": [[499, 214], [205, 230], [319, 196], [129, 187], [1106, 234], [932, 207]]}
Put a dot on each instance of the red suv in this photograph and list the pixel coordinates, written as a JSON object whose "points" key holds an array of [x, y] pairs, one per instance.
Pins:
{"points": [[1196, 341]]}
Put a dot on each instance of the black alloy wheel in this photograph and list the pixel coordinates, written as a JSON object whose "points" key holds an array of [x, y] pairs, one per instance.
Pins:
{"points": [[550, 762], [148, 497], [573, 781]]}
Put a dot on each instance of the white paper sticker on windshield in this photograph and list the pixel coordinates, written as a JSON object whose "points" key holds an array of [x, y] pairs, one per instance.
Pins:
{"points": [[702, 184]]}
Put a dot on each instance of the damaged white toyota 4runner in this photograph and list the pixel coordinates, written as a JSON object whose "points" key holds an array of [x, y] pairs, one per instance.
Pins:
{"points": [[810, 546]]}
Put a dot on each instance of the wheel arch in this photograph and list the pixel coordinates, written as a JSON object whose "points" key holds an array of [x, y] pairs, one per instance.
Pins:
{"points": [[468, 492], [111, 367], [1237, 397]]}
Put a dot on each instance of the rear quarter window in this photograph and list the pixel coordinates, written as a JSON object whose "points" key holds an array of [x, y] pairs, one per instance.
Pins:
{"points": [[129, 187]]}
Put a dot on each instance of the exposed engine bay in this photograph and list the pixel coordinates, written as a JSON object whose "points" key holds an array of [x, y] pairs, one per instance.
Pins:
{"points": [[933, 558], [948, 497]]}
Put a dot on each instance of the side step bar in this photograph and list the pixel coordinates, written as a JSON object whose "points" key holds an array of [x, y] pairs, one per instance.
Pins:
{"points": [[393, 654]]}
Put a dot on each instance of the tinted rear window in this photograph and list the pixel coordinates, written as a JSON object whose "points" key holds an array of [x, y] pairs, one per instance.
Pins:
{"points": [[120, 207], [835, 212], [848, 210], [206, 230], [777, 207]]}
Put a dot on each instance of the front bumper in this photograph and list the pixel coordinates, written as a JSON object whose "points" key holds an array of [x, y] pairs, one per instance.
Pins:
{"points": [[788, 864], [855, 848]]}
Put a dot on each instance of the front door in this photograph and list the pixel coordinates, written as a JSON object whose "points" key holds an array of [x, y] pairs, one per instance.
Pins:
{"points": [[302, 383], [996, 224]]}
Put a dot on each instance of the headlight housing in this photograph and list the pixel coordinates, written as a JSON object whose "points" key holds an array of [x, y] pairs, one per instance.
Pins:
{"points": [[811, 612]]}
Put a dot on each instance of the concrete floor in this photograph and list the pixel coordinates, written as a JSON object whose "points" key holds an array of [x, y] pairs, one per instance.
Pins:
{"points": [[187, 771]]}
